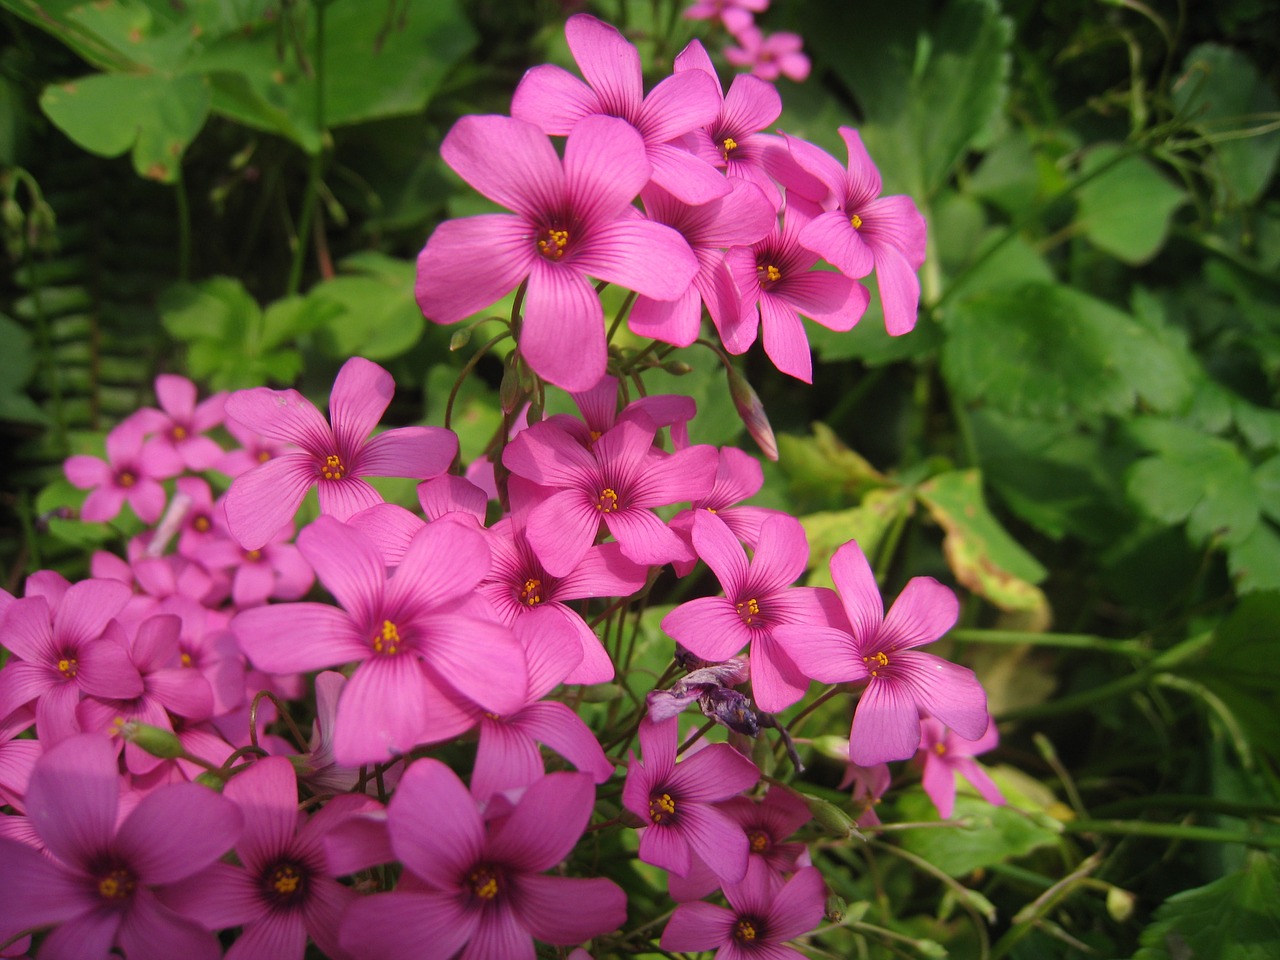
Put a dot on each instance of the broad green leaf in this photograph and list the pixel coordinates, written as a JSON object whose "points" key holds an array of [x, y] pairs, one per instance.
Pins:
{"points": [[1222, 94], [824, 468], [1046, 351], [992, 835], [16, 366], [984, 558], [1235, 918], [155, 115], [867, 523], [1266, 478], [1254, 561], [1245, 672], [1126, 210], [374, 318]]}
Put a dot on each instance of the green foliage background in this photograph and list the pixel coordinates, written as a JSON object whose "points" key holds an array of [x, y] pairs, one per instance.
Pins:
{"points": [[1082, 432]]}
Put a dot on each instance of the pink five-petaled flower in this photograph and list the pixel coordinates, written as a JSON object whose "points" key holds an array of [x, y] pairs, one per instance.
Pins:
{"points": [[557, 101], [758, 599], [418, 646], [572, 219], [481, 885], [759, 919], [180, 423], [771, 56], [859, 229], [676, 802], [97, 882], [614, 485], [947, 756], [284, 889], [334, 457], [132, 471], [776, 276], [902, 683], [736, 15]]}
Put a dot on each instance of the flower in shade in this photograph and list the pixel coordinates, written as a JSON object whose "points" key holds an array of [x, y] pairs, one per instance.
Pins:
{"points": [[769, 56], [180, 423], [776, 277], [556, 101], [97, 882], [869, 785], [758, 921], [736, 15], [419, 649], [572, 220], [481, 885], [614, 486], [857, 229], [676, 803], [758, 599], [335, 455], [132, 471], [947, 756], [902, 682], [283, 890]]}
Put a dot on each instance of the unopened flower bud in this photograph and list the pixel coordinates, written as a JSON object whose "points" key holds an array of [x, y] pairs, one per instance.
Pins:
{"points": [[830, 817], [511, 392], [155, 740], [459, 339], [211, 780], [747, 402], [677, 367], [1120, 904], [835, 908]]}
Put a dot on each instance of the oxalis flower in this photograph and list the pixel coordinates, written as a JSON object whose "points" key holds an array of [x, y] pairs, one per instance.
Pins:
{"points": [[481, 886], [902, 683], [98, 881], [335, 454], [572, 220]]}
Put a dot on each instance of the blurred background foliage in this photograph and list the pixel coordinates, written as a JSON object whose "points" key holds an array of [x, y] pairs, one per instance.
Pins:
{"points": [[1082, 432]]}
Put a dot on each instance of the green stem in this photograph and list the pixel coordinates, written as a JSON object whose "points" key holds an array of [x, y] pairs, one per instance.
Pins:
{"points": [[1172, 831], [1073, 641], [466, 369], [184, 226]]}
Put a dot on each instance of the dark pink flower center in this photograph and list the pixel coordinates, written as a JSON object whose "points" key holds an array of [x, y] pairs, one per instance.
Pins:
{"points": [[531, 592], [748, 930], [126, 478], [201, 523], [116, 883], [67, 666], [607, 502], [749, 611], [760, 841], [727, 146], [662, 808], [178, 433], [768, 274], [484, 882], [284, 882], [855, 221]]}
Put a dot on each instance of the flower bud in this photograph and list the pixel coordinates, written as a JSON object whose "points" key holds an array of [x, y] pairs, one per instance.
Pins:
{"points": [[830, 817], [211, 780], [459, 339], [835, 908], [747, 402], [155, 740]]}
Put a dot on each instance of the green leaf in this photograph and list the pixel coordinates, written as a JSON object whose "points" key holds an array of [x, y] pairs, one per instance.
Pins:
{"points": [[867, 523], [16, 366], [155, 115], [1046, 351], [984, 558], [992, 834], [824, 468], [1126, 211], [1222, 94], [1254, 561], [1235, 918], [372, 314]]}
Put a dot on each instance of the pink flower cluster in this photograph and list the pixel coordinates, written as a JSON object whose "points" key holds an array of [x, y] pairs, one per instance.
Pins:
{"points": [[768, 56], [735, 219]]}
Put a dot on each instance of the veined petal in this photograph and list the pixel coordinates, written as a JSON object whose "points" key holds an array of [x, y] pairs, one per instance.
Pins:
{"points": [[862, 180], [923, 612], [776, 681], [86, 608], [721, 843], [603, 572], [441, 848], [151, 931], [886, 724], [554, 724], [716, 544], [784, 337], [687, 177], [899, 290], [509, 161], [500, 936], [641, 255], [561, 529], [781, 554], [506, 757], [72, 798], [944, 690], [594, 666], [563, 335], [480, 659], [349, 565], [48, 893], [553, 99], [416, 452], [444, 562], [684, 475], [604, 168], [608, 62], [343, 499], [709, 627], [644, 538], [822, 653], [834, 238], [569, 910], [156, 838], [713, 773], [277, 935], [360, 395], [680, 103], [859, 594], [297, 637], [698, 926], [284, 415], [265, 498], [546, 823], [548, 455], [382, 711], [87, 936], [832, 299], [666, 847], [407, 926], [493, 251], [798, 906], [677, 322], [751, 104], [267, 795]]}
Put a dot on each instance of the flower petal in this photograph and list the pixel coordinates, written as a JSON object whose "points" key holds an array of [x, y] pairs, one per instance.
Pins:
{"points": [[157, 841], [509, 161], [566, 910], [382, 711], [563, 335], [494, 251], [923, 612], [72, 798], [886, 724], [442, 847], [407, 926], [264, 499]]}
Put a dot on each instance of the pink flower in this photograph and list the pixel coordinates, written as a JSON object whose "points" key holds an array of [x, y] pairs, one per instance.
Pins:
{"points": [[613, 485], [254, 450], [777, 276], [758, 599], [858, 229], [947, 756], [769, 57], [869, 785], [333, 458], [676, 802], [419, 650], [573, 219], [556, 102], [736, 15], [132, 471], [757, 922], [97, 884], [901, 682], [180, 423], [481, 885], [284, 890]]}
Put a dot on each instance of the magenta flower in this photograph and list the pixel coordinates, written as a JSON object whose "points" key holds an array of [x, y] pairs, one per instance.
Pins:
{"points": [[556, 101], [869, 785], [481, 885], [284, 890], [419, 651], [757, 922], [776, 275], [902, 683], [676, 802], [736, 15], [613, 485], [758, 599], [254, 450], [275, 570], [572, 219], [858, 229], [599, 409], [97, 883], [333, 458], [132, 471], [59, 654], [947, 756], [180, 424], [769, 57]]}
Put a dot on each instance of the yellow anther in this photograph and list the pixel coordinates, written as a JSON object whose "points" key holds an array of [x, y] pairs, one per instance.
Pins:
{"points": [[186, 659], [178, 433], [608, 500], [727, 146], [855, 221], [748, 609], [532, 592], [769, 273], [67, 667], [253, 556], [939, 748], [264, 456], [877, 662], [553, 243], [388, 640], [333, 468], [126, 479], [116, 885], [661, 808], [201, 524], [759, 841], [484, 883], [285, 879], [745, 931]]}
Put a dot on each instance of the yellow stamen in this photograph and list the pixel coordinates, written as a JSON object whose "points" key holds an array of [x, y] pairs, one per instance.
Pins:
{"points": [[759, 841], [661, 808], [880, 659], [745, 931], [939, 748], [126, 479], [532, 592], [116, 885], [264, 456], [388, 640], [484, 883], [201, 524], [67, 667], [553, 243], [608, 501], [727, 146], [333, 468], [769, 274], [748, 609], [178, 433], [855, 221], [285, 879], [186, 659], [253, 556]]}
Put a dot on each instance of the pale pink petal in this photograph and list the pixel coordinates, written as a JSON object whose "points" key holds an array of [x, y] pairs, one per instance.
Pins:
{"points": [[382, 711], [923, 612], [509, 161], [265, 498], [156, 839], [608, 62], [553, 99], [440, 848], [494, 252], [886, 724], [566, 911], [563, 335]]}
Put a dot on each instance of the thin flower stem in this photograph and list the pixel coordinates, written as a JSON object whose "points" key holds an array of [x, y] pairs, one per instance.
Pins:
{"points": [[817, 702], [961, 892], [622, 313], [466, 369], [283, 715], [697, 735], [1135, 647], [1171, 831]]}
